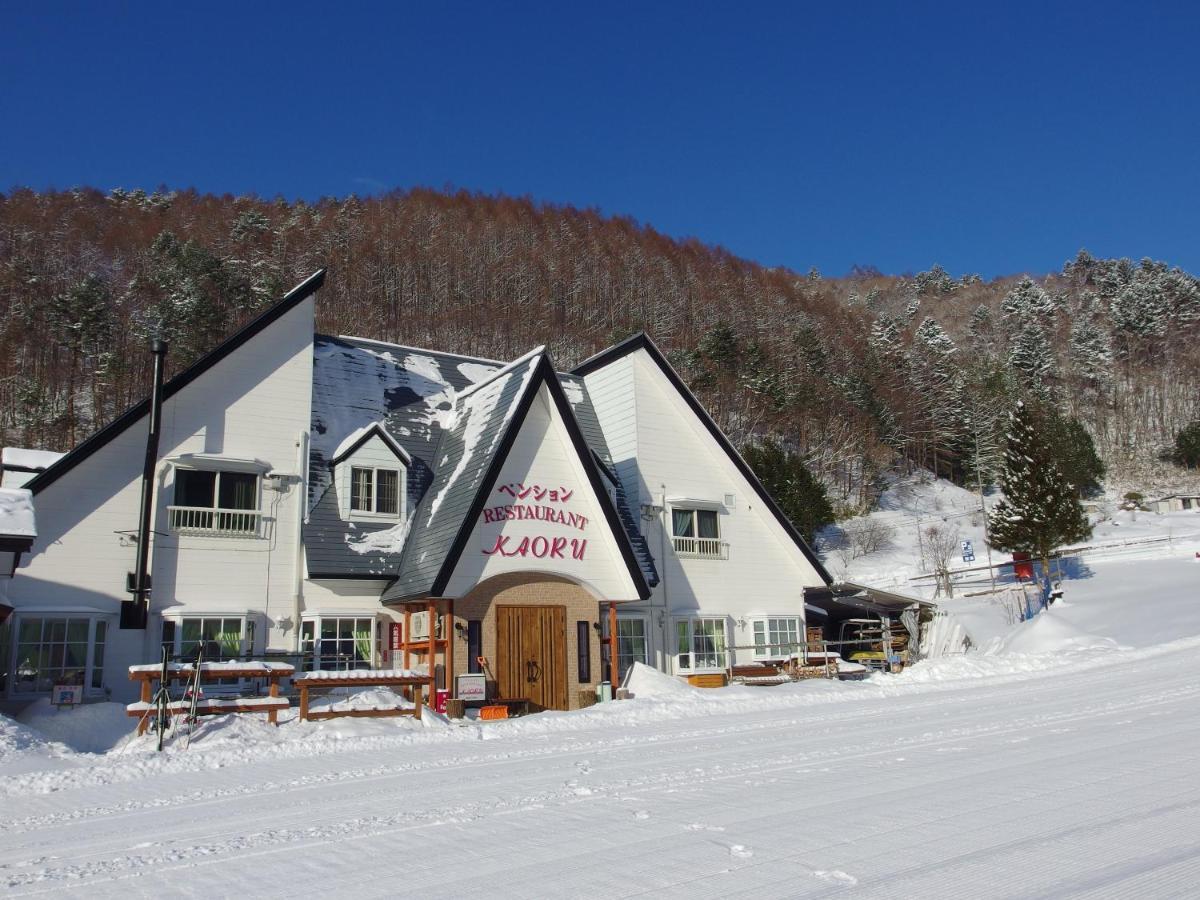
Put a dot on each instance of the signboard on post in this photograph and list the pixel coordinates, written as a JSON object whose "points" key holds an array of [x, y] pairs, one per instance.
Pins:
{"points": [[472, 688], [66, 694], [968, 552]]}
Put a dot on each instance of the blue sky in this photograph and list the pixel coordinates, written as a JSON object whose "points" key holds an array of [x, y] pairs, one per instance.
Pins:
{"points": [[991, 139]]}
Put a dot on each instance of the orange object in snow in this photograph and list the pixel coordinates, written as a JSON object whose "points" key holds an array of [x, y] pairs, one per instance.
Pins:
{"points": [[489, 713]]}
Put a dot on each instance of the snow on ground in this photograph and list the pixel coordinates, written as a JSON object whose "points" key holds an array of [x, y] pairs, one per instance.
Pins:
{"points": [[912, 505], [1059, 760]]}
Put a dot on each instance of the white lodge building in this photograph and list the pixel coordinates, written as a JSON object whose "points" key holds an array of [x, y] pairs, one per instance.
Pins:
{"points": [[312, 493]]}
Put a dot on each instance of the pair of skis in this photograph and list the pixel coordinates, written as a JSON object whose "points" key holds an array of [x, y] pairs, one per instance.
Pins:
{"points": [[162, 700]]}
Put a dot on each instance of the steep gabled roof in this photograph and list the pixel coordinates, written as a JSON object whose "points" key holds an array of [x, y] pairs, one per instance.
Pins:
{"points": [[356, 439], [641, 341], [470, 456], [136, 413]]}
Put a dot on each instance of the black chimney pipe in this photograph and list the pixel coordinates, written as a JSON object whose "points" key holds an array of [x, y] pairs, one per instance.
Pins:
{"points": [[135, 612]]}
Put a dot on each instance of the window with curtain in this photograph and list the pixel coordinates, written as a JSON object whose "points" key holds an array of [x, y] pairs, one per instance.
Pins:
{"points": [[339, 642], [52, 650], [215, 501], [375, 491], [216, 490], [696, 532], [700, 644], [220, 637], [776, 637]]}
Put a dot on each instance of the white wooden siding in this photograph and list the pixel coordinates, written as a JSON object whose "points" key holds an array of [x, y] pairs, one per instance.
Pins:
{"points": [[542, 454], [675, 456], [254, 403], [611, 390]]}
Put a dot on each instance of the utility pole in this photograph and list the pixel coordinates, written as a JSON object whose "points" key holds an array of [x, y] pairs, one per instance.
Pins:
{"points": [[987, 531]]}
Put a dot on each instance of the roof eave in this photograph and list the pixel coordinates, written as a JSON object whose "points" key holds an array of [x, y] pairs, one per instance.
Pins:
{"points": [[641, 341]]}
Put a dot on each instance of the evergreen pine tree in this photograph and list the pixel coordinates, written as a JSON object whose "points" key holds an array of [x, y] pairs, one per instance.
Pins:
{"points": [[1026, 301], [1187, 446], [1032, 360], [1039, 510], [783, 473], [1076, 453]]}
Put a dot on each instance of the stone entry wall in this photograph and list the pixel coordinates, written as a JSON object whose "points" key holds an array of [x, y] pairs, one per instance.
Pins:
{"points": [[529, 589]]}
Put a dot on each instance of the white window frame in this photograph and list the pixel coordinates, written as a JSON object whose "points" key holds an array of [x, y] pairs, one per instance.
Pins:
{"points": [[771, 648], [315, 620], [373, 512], [694, 546], [89, 667], [645, 623], [722, 655], [210, 519], [247, 633]]}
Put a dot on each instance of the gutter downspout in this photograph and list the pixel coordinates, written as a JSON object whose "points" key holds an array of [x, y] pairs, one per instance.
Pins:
{"points": [[301, 518], [135, 613], [665, 627]]}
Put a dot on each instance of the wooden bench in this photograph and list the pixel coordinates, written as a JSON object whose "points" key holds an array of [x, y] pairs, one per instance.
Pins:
{"points": [[763, 674], [272, 672], [395, 678]]}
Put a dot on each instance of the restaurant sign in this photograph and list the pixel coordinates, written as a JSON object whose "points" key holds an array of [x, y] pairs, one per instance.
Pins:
{"points": [[535, 503]]}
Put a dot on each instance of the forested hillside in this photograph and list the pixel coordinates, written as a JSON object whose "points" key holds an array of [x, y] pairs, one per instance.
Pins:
{"points": [[859, 374]]}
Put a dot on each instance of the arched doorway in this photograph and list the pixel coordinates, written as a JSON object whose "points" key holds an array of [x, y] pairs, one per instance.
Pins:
{"points": [[538, 638]]}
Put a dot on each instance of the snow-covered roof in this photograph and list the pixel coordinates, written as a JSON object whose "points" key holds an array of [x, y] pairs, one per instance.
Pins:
{"points": [[442, 411], [29, 459], [16, 513], [20, 466]]}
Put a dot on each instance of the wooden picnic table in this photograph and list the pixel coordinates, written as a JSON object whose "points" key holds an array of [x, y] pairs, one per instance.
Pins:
{"points": [[272, 672], [395, 678]]}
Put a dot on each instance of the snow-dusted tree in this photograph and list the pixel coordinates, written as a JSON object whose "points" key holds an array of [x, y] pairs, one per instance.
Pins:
{"points": [[1032, 360], [1140, 309], [938, 382], [981, 330], [1027, 300], [1040, 509], [1090, 356]]}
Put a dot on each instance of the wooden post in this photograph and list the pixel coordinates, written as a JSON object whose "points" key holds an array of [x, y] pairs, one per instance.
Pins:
{"points": [[613, 667], [303, 701], [450, 639], [417, 700], [431, 608], [407, 636], [146, 697], [273, 691]]}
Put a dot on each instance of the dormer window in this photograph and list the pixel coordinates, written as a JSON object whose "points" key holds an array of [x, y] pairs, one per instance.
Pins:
{"points": [[370, 475], [375, 491]]}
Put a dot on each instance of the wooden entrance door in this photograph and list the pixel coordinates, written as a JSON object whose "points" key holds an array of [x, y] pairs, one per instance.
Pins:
{"points": [[531, 650]]}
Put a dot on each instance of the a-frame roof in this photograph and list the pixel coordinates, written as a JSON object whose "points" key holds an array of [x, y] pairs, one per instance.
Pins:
{"points": [[139, 411], [471, 454], [641, 341]]}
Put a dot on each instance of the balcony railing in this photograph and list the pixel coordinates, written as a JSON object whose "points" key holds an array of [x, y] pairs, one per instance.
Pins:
{"points": [[701, 548], [221, 522]]}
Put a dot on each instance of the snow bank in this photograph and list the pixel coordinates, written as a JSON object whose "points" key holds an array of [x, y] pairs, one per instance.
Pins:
{"points": [[16, 512], [644, 682], [1051, 633], [19, 740], [89, 728]]}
